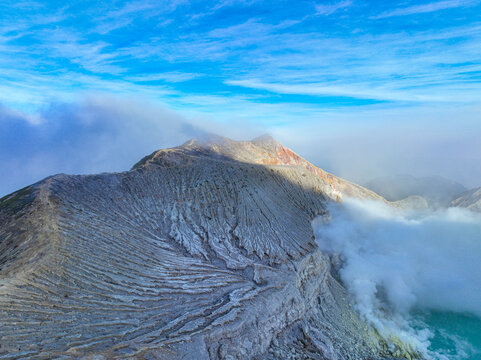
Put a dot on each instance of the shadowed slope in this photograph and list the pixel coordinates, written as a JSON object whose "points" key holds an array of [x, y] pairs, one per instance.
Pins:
{"points": [[204, 251]]}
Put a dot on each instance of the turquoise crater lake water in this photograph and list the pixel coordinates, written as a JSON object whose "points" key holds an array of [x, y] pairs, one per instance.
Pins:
{"points": [[455, 335]]}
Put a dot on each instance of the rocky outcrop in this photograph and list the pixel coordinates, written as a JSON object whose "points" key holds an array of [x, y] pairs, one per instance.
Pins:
{"points": [[413, 202], [470, 199], [204, 251]]}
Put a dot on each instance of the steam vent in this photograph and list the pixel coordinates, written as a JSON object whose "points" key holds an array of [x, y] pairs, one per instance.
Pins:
{"points": [[204, 251]]}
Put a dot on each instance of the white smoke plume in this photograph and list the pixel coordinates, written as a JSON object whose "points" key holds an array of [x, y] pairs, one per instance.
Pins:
{"points": [[394, 262]]}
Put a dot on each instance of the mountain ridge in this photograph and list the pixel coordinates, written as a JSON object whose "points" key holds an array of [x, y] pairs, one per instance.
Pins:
{"points": [[194, 253], [263, 150]]}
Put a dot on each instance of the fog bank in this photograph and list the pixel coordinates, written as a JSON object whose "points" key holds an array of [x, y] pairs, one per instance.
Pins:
{"points": [[96, 134], [363, 144]]}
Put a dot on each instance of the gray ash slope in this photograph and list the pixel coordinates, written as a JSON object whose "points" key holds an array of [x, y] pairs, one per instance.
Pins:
{"points": [[204, 251], [470, 199]]}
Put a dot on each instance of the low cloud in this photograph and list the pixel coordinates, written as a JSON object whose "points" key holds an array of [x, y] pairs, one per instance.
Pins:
{"points": [[97, 134], [366, 144]]}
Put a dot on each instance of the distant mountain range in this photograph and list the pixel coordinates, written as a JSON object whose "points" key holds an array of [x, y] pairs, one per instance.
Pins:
{"points": [[437, 191]]}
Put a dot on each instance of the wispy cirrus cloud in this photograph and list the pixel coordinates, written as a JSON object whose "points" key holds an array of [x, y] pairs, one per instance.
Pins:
{"points": [[253, 62], [265, 56], [427, 8], [316, 65], [230, 3], [359, 91], [168, 76], [328, 9], [260, 54]]}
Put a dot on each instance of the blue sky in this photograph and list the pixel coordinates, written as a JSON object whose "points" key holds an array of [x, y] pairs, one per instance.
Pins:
{"points": [[322, 76]]}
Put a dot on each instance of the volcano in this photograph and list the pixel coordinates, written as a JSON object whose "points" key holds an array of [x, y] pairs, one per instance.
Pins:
{"points": [[203, 251]]}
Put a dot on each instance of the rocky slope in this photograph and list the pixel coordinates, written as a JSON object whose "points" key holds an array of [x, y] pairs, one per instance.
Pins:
{"points": [[204, 251], [470, 199]]}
